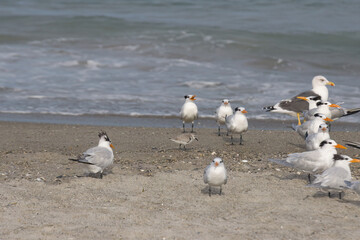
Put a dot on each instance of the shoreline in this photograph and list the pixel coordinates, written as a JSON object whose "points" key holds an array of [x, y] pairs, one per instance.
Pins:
{"points": [[155, 190], [157, 122]]}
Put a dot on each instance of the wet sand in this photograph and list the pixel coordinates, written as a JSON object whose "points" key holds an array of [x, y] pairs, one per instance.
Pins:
{"points": [[156, 191]]}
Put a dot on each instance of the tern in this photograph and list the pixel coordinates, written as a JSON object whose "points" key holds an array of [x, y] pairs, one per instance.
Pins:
{"points": [[100, 157], [215, 174], [223, 111], [313, 141], [237, 123], [312, 126], [335, 176], [189, 111]]}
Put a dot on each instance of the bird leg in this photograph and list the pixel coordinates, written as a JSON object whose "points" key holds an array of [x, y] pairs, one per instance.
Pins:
{"points": [[183, 127], [220, 189], [241, 140], [339, 195], [180, 146], [219, 131], [309, 178], [101, 175], [298, 116], [329, 194], [209, 191], [232, 143], [192, 127], [227, 133]]}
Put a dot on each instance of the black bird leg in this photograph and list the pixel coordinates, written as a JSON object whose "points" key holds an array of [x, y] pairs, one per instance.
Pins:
{"points": [[192, 127], [241, 140], [183, 127], [219, 131], [329, 194], [309, 178], [232, 143], [209, 191], [220, 189]]}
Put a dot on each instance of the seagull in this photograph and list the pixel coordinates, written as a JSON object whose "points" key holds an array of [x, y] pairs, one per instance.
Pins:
{"points": [[100, 157], [335, 177], [353, 144], [312, 126], [223, 111], [184, 139], [313, 141], [295, 106], [312, 161], [215, 174], [189, 111], [237, 123]]}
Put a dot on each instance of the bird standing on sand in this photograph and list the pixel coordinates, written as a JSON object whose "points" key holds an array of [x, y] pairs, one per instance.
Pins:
{"points": [[295, 106], [237, 123], [312, 161], [215, 174], [335, 177], [312, 126], [223, 111], [100, 157], [312, 142], [184, 139], [189, 111]]}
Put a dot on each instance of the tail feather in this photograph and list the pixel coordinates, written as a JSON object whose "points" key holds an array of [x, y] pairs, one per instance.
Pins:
{"points": [[352, 144], [80, 161], [281, 162], [352, 111], [269, 108]]}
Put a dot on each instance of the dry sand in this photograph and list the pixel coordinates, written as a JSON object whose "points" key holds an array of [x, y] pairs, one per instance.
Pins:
{"points": [[156, 191]]}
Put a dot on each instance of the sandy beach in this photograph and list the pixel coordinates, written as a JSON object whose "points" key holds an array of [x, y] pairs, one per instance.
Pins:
{"points": [[156, 191]]}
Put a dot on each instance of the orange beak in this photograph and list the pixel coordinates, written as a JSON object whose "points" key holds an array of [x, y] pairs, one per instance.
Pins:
{"points": [[112, 146], [324, 129], [226, 103], [334, 105], [244, 111], [216, 164], [355, 160], [340, 146], [331, 84], [302, 98], [328, 120], [193, 98]]}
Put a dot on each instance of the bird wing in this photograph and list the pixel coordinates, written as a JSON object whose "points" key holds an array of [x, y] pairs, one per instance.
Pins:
{"points": [[333, 177], [96, 156], [281, 162], [206, 180], [352, 144]]}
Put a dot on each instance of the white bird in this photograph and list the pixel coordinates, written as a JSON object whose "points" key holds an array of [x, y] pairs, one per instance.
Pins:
{"points": [[353, 144], [223, 111], [323, 107], [335, 176], [100, 157], [312, 161], [184, 139], [189, 111], [237, 123], [313, 141], [311, 126], [295, 106], [215, 174]]}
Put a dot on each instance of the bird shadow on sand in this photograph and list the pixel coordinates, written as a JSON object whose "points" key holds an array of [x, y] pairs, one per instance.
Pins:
{"points": [[356, 203], [214, 191], [236, 141], [294, 176], [301, 146]]}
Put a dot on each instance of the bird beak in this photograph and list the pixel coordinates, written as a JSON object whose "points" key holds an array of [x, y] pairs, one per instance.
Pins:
{"points": [[244, 111], [216, 164], [340, 146], [324, 129], [193, 98], [226, 103], [112, 146], [334, 105], [331, 84], [355, 160], [302, 98], [328, 120]]}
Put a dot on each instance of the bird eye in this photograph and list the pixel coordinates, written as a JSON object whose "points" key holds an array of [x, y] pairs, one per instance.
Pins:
{"points": [[221, 161]]}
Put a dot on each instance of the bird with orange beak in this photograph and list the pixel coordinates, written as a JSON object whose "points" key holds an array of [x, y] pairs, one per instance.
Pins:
{"points": [[312, 142], [98, 158], [312, 161], [215, 174], [189, 111], [312, 126], [237, 123], [335, 177], [295, 106], [223, 111]]}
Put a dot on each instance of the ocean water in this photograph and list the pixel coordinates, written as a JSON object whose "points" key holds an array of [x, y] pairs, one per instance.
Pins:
{"points": [[139, 58]]}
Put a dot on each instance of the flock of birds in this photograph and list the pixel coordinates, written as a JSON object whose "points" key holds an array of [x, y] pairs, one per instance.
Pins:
{"points": [[321, 155]]}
